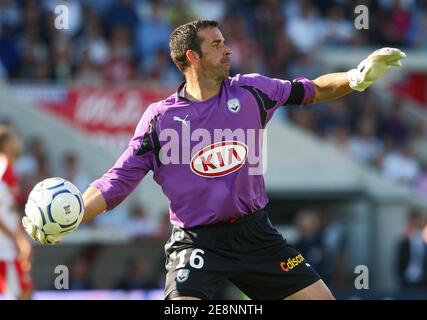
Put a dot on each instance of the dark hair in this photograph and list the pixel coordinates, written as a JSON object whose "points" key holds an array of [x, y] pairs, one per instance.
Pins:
{"points": [[185, 38]]}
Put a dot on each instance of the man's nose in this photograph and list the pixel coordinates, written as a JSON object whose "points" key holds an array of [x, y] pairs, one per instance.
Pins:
{"points": [[228, 51]]}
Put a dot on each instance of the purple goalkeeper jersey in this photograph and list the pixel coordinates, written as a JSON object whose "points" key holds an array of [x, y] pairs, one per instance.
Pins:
{"points": [[205, 155]]}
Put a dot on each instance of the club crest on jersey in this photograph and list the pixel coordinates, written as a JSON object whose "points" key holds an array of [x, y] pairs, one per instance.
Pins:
{"points": [[219, 159], [182, 275], [233, 105]]}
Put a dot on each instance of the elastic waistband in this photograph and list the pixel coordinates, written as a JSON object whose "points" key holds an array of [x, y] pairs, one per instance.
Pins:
{"points": [[244, 219], [232, 221]]}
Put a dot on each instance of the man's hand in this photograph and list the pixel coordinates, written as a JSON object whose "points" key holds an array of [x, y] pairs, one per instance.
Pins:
{"points": [[374, 67], [38, 235]]}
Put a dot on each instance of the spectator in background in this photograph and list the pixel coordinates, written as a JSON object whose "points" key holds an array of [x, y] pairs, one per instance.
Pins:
{"points": [[394, 23], [100, 6], [412, 257], [418, 140], [421, 184], [339, 30], [208, 9], [395, 126], [309, 244], [120, 65], [32, 41], [33, 166], [3, 73], [418, 32], [333, 239], [9, 51], [10, 15], [365, 146], [302, 117], [366, 110], [305, 64], [306, 30], [73, 173], [140, 225], [323, 243], [80, 274], [139, 276], [340, 136], [178, 13], [401, 166], [91, 44], [122, 13], [335, 114], [268, 20], [236, 30], [253, 58], [87, 73], [62, 66], [161, 72], [152, 33], [28, 163]]}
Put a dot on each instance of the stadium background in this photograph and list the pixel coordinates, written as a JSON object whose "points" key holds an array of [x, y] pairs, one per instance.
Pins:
{"points": [[347, 180]]}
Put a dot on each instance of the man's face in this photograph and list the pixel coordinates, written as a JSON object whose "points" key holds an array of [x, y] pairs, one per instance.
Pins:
{"points": [[215, 61]]}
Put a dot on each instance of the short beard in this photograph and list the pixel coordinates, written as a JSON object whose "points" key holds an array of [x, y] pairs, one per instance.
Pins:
{"points": [[218, 74]]}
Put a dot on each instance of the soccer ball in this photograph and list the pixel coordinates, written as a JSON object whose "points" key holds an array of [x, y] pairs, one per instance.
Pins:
{"points": [[55, 206]]}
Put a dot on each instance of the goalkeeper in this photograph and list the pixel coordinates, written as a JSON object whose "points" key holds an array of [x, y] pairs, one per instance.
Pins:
{"points": [[220, 227]]}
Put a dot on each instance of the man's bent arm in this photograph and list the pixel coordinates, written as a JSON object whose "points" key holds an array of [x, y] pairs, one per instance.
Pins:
{"points": [[331, 86], [94, 204]]}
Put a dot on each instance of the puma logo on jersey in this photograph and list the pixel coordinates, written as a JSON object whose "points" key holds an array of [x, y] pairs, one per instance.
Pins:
{"points": [[184, 121]]}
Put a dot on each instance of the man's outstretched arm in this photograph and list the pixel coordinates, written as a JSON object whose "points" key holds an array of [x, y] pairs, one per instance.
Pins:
{"points": [[331, 86], [94, 204], [116, 184], [335, 85]]}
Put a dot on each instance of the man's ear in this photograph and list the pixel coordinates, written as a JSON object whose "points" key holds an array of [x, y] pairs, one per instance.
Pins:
{"points": [[192, 56]]}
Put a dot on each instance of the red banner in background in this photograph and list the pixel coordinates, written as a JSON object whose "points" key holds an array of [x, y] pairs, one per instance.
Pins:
{"points": [[108, 114], [414, 88]]}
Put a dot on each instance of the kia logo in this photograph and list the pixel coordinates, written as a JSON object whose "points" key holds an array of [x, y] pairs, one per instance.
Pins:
{"points": [[219, 159]]}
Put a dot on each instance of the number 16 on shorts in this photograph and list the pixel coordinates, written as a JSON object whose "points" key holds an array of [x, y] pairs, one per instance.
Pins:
{"points": [[196, 259]]}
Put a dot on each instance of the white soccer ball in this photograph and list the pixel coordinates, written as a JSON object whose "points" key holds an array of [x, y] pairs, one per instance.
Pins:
{"points": [[55, 206]]}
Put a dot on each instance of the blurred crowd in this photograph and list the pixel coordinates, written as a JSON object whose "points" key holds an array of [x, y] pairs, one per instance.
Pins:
{"points": [[376, 134], [323, 241], [115, 41], [124, 40], [127, 40]]}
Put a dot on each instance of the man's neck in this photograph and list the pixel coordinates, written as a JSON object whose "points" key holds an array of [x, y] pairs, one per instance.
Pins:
{"points": [[199, 88]]}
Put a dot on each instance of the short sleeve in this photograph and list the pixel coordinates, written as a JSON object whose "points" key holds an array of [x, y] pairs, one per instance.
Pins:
{"points": [[271, 93]]}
